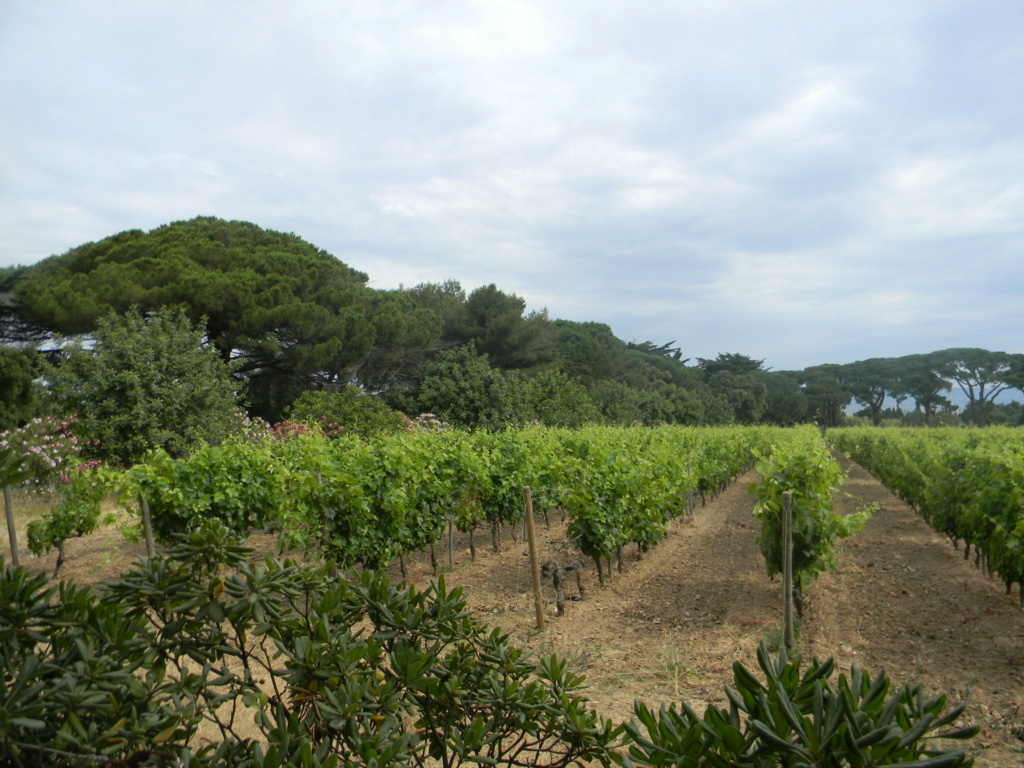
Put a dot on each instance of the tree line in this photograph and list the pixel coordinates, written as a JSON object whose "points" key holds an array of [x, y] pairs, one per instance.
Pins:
{"points": [[281, 320]]}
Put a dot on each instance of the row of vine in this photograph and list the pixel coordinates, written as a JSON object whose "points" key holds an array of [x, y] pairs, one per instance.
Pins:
{"points": [[370, 502], [804, 467], [968, 484]]}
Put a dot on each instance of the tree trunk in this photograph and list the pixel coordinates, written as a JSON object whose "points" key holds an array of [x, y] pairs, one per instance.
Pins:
{"points": [[558, 575], [61, 558]]}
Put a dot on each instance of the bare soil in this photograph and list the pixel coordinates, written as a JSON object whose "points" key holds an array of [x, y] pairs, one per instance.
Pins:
{"points": [[671, 625]]}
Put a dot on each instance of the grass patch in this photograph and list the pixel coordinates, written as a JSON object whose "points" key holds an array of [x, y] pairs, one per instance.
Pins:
{"points": [[676, 668], [774, 637]]}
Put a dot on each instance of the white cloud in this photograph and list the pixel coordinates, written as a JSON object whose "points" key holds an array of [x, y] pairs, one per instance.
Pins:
{"points": [[790, 179], [813, 118], [934, 197]]}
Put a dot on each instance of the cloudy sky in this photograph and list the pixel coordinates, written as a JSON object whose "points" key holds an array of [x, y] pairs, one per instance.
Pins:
{"points": [[805, 182]]}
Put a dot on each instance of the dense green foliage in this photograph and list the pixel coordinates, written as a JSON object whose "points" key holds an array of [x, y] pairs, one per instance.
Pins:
{"points": [[556, 400], [464, 389], [967, 483], [20, 396], [349, 411], [289, 312], [496, 323], [369, 502], [145, 382], [294, 319]]}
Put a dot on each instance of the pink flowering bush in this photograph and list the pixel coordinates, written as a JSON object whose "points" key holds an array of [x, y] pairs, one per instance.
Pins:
{"points": [[428, 422], [52, 450], [289, 430], [253, 428]]}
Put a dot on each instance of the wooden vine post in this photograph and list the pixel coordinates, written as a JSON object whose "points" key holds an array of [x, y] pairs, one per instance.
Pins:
{"points": [[787, 568], [691, 503], [12, 532], [147, 527], [538, 598], [451, 545]]}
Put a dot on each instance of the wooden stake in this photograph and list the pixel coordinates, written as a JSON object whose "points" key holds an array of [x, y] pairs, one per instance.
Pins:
{"points": [[451, 545], [11, 531], [690, 501], [147, 527], [787, 567], [538, 598]]}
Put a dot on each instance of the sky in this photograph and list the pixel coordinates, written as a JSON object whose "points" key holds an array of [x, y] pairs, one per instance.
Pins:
{"points": [[802, 182]]}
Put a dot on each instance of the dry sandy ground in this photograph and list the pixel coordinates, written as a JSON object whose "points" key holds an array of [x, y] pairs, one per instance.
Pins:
{"points": [[670, 626]]}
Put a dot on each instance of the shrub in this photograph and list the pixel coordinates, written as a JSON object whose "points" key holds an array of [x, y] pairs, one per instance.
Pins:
{"points": [[146, 381], [801, 718], [331, 671], [349, 411]]}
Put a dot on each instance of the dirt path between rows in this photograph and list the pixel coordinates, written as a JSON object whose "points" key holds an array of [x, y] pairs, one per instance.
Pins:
{"points": [[903, 600], [670, 626]]}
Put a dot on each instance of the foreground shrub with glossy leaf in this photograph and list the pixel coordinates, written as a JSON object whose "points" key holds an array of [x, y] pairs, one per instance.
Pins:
{"points": [[199, 658], [802, 718]]}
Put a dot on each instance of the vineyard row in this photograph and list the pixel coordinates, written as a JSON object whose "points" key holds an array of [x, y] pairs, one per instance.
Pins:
{"points": [[368, 503], [968, 484]]}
